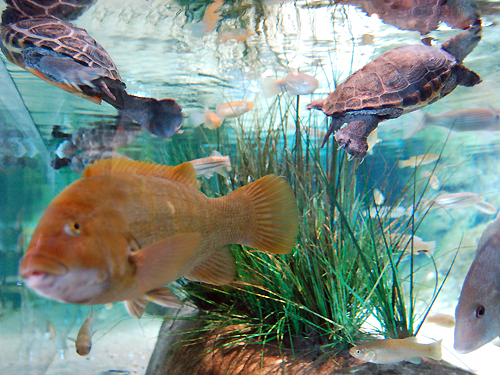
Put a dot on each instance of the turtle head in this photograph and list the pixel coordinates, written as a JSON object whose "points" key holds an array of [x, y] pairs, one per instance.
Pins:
{"points": [[353, 146], [462, 44], [162, 118]]}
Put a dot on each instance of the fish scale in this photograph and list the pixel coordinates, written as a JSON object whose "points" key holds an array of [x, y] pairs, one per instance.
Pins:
{"points": [[126, 228]]}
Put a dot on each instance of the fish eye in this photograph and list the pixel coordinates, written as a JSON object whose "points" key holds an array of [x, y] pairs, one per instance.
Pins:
{"points": [[480, 311], [72, 228], [358, 351]]}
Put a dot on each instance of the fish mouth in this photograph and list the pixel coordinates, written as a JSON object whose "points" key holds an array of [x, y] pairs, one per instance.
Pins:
{"points": [[41, 265], [463, 349]]}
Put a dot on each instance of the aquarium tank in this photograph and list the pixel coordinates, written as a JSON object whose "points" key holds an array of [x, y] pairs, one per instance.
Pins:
{"points": [[249, 187]]}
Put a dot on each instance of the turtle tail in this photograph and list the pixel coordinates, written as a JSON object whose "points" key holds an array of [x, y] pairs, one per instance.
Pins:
{"points": [[462, 44], [160, 117]]}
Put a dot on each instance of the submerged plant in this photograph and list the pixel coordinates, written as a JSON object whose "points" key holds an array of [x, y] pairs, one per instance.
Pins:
{"points": [[346, 264]]}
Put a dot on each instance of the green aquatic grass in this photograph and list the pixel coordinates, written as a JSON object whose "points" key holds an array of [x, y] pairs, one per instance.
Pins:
{"points": [[345, 266]]}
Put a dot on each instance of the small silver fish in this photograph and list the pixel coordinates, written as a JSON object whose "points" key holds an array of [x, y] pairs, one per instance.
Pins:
{"points": [[383, 211], [215, 163], [463, 200], [50, 333], [378, 197], [419, 245], [396, 350], [433, 180], [477, 314], [443, 320], [416, 161], [372, 140], [465, 120], [83, 342], [295, 83]]}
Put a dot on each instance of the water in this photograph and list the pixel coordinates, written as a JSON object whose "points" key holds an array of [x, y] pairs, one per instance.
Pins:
{"points": [[167, 49]]}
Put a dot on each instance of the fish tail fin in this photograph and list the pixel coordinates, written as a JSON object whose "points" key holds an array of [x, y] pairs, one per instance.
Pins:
{"points": [[431, 247], [418, 122], [270, 87], [160, 117], [435, 350], [271, 215], [403, 163]]}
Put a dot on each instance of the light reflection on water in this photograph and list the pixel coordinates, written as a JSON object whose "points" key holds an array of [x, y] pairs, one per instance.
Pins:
{"points": [[160, 52]]}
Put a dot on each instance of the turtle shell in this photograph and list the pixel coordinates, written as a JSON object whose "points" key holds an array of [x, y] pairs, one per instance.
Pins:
{"points": [[63, 9], [59, 36], [407, 78]]}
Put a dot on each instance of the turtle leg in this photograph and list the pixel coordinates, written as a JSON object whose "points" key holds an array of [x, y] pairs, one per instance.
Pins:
{"points": [[466, 77], [353, 137], [335, 124], [56, 67]]}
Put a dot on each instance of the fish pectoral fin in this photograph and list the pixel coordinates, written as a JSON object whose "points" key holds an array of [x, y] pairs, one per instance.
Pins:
{"points": [[71, 339], [415, 360], [219, 269], [136, 306], [163, 261], [164, 297], [161, 296], [223, 172], [216, 153]]}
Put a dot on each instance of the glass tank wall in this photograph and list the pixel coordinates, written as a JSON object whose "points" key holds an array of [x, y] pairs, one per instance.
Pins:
{"points": [[270, 59]]}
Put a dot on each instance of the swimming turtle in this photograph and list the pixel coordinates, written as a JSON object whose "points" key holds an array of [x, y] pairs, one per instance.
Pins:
{"points": [[69, 58], [397, 82], [66, 10]]}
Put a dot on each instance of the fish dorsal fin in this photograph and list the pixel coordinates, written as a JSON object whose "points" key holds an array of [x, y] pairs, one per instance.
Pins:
{"points": [[411, 339], [184, 172], [216, 153]]}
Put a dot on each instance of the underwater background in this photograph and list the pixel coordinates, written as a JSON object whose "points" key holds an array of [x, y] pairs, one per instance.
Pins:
{"points": [[203, 58]]}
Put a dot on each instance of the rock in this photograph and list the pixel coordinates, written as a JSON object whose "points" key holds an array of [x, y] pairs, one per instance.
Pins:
{"points": [[176, 353]]}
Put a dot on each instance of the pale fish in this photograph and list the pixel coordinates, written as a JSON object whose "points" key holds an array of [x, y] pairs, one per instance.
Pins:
{"points": [[396, 350], [372, 140], [477, 314], [391, 212], [443, 320], [215, 163], [83, 342], [433, 180], [378, 197], [465, 120], [295, 83], [237, 35], [416, 161], [367, 39], [419, 245], [125, 229], [208, 118], [233, 109], [463, 200]]}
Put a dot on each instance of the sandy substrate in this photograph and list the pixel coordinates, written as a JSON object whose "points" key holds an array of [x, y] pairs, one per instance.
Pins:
{"points": [[120, 343]]}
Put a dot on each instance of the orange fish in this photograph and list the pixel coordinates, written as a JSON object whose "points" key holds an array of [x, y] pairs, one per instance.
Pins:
{"points": [[127, 228], [233, 109]]}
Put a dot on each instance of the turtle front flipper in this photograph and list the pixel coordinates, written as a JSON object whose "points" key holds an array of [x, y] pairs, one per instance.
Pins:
{"points": [[353, 137], [159, 117], [335, 125], [66, 73]]}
